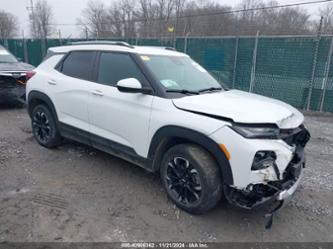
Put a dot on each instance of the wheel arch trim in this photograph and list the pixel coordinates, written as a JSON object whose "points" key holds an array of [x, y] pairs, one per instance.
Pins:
{"points": [[196, 137], [37, 95]]}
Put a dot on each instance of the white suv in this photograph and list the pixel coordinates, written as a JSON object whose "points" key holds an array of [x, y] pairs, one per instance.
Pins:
{"points": [[159, 109]]}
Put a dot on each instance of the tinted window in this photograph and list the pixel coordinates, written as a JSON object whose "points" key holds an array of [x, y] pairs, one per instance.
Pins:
{"points": [[79, 65], [116, 66]]}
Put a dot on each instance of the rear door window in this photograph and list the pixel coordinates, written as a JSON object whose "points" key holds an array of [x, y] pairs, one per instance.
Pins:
{"points": [[79, 64]]}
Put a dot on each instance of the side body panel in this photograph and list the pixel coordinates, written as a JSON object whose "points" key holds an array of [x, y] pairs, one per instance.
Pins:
{"points": [[69, 95], [164, 113], [120, 117]]}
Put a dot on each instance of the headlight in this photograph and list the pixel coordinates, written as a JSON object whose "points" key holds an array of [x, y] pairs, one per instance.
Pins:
{"points": [[260, 131]]}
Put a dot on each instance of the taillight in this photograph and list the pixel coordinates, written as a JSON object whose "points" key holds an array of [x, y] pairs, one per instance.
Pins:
{"points": [[30, 74]]}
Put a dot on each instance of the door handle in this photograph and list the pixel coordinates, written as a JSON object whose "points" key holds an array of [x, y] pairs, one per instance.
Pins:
{"points": [[52, 82], [97, 93]]}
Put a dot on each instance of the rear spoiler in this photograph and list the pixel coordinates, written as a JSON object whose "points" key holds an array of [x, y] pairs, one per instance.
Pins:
{"points": [[51, 53]]}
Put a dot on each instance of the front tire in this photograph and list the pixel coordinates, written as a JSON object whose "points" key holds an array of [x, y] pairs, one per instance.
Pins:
{"points": [[191, 178], [44, 127]]}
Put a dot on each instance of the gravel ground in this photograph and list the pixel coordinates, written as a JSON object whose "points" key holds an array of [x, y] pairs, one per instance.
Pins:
{"points": [[75, 193]]}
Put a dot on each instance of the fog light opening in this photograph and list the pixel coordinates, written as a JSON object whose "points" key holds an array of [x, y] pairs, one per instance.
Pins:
{"points": [[249, 188], [263, 160]]}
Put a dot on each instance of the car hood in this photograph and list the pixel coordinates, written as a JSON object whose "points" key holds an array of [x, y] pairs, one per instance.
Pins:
{"points": [[243, 107], [15, 67]]}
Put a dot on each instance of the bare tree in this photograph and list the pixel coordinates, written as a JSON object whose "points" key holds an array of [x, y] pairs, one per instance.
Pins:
{"points": [[147, 12], [40, 20], [202, 20], [8, 25], [95, 19], [116, 19], [101, 21], [165, 10], [179, 9], [250, 16], [151, 18], [272, 21], [327, 13], [292, 21], [248, 21], [284, 21], [126, 12]]}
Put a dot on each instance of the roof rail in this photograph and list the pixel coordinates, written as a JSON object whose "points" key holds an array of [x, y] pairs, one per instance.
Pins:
{"points": [[160, 47], [117, 43], [170, 48]]}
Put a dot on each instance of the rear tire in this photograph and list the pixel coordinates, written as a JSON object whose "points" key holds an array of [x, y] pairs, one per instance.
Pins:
{"points": [[191, 178], [44, 127]]}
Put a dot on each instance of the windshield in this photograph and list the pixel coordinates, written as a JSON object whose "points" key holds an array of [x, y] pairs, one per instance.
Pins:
{"points": [[6, 57], [180, 74]]}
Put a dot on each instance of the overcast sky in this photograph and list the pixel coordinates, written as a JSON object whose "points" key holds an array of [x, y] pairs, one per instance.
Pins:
{"points": [[67, 11]]}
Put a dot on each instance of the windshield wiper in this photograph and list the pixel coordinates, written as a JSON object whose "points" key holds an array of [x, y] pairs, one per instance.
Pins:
{"points": [[211, 89], [183, 91]]}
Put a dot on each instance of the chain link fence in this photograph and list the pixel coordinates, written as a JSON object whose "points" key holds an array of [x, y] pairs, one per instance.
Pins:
{"points": [[294, 69]]}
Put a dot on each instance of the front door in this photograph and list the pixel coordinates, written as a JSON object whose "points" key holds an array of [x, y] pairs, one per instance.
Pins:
{"points": [[117, 118]]}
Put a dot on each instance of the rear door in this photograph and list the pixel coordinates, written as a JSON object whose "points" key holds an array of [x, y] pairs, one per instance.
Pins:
{"points": [[118, 119], [71, 88]]}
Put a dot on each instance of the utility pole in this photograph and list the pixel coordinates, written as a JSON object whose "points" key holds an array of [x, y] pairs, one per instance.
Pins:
{"points": [[31, 10], [25, 49], [31, 7], [87, 34], [60, 36]]}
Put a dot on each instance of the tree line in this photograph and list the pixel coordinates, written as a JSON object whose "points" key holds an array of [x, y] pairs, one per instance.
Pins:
{"points": [[164, 18], [159, 18]]}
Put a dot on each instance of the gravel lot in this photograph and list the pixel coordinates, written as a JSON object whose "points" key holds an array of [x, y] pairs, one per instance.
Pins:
{"points": [[75, 193]]}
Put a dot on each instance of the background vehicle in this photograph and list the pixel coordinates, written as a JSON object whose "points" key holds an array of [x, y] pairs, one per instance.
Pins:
{"points": [[162, 111], [12, 77]]}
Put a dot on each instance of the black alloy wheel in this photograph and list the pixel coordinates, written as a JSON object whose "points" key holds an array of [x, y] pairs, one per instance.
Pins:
{"points": [[183, 181], [44, 127], [191, 178], [41, 127]]}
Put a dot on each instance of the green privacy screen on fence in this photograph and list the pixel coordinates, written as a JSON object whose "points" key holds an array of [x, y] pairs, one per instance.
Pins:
{"points": [[286, 68]]}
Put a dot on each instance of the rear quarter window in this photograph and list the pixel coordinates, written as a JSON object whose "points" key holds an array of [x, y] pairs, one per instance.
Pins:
{"points": [[79, 64]]}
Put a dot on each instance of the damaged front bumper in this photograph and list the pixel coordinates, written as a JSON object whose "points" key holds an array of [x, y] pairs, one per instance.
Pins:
{"points": [[286, 194], [260, 195], [284, 185]]}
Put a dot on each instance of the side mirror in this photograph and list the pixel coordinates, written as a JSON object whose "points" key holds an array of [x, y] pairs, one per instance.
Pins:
{"points": [[132, 85]]}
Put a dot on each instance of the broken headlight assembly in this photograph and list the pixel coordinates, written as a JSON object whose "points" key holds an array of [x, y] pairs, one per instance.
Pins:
{"points": [[257, 131]]}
